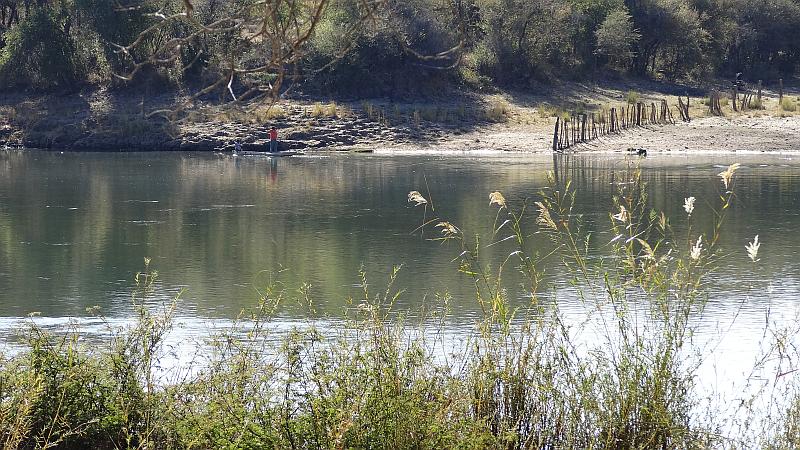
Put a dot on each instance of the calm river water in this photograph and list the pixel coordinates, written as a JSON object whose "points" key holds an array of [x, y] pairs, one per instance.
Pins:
{"points": [[75, 227]]}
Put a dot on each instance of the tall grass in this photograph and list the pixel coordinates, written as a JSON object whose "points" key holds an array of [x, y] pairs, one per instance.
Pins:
{"points": [[415, 115], [497, 110], [331, 110], [623, 375], [632, 97], [789, 104]]}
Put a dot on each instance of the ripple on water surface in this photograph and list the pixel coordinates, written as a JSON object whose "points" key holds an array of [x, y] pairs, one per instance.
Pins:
{"points": [[233, 226]]}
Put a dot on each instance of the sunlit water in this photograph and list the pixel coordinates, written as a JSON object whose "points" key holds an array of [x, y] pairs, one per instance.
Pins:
{"points": [[76, 227]]}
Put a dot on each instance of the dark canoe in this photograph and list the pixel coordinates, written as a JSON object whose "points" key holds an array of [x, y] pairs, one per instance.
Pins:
{"points": [[274, 154]]}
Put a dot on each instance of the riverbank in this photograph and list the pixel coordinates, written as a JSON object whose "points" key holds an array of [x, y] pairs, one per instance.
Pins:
{"points": [[104, 121], [748, 134]]}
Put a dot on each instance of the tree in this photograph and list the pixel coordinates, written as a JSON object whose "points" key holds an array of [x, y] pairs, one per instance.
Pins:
{"points": [[268, 44], [616, 38], [41, 51]]}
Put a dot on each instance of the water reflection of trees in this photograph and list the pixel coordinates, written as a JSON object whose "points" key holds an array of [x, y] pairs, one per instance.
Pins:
{"points": [[220, 221]]}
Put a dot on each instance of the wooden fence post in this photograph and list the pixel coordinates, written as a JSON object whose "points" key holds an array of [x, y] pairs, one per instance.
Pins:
{"points": [[555, 135], [625, 116], [644, 114], [611, 121], [572, 128], [780, 91], [583, 128], [638, 111], [575, 128], [758, 99], [684, 108]]}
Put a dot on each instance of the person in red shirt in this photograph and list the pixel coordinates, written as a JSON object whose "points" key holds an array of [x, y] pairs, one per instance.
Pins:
{"points": [[273, 140]]}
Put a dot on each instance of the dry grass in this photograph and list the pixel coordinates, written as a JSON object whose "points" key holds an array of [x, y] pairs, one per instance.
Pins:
{"points": [[546, 110], [256, 116], [416, 114], [270, 113], [498, 110], [331, 110], [789, 104], [317, 110]]}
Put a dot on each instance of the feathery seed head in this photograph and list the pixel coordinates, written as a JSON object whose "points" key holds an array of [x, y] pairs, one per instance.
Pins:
{"points": [[688, 205], [697, 248], [496, 198], [752, 249], [727, 175], [416, 198], [544, 219], [622, 215]]}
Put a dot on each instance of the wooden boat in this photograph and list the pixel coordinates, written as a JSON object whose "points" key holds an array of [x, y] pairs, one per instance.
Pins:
{"points": [[274, 154]]}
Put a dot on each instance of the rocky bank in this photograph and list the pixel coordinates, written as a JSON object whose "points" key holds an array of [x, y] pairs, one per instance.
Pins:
{"points": [[101, 122]]}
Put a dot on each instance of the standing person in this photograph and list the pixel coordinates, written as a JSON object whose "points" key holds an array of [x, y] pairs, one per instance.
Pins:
{"points": [[237, 148], [273, 140]]}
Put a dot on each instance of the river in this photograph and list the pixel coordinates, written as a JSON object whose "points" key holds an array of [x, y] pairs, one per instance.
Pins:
{"points": [[76, 227]]}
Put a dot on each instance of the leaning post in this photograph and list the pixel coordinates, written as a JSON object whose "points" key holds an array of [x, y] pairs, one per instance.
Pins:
{"points": [[555, 135]]}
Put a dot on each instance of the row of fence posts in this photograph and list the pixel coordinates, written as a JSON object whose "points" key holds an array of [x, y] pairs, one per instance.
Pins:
{"points": [[742, 101], [581, 127], [745, 101], [577, 128]]}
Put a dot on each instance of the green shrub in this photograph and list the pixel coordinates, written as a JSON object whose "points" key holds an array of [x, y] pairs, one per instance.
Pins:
{"points": [[40, 52], [632, 97], [59, 394]]}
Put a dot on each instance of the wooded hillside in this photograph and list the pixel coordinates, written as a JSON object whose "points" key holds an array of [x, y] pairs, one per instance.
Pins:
{"points": [[249, 48]]}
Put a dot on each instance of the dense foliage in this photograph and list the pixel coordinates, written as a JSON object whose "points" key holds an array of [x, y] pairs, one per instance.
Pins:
{"points": [[392, 47]]}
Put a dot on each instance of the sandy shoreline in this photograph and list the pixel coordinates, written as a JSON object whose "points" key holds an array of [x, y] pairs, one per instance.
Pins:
{"points": [[706, 135], [710, 135]]}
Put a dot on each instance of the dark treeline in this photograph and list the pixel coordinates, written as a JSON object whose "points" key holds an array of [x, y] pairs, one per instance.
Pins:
{"points": [[357, 47]]}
